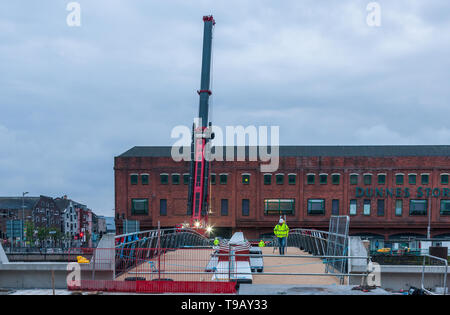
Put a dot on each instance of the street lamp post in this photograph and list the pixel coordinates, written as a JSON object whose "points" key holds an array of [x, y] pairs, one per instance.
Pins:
{"points": [[23, 216], [429, 220]]}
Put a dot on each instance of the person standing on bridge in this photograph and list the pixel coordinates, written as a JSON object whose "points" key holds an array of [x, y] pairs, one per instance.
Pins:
{"points": [[281, 231]]}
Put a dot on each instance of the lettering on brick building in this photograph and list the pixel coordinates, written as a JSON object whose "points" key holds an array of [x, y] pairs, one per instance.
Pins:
{"points": [[420, 192]]}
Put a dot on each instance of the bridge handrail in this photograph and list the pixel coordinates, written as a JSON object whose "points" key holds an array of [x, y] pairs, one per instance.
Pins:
{"points": [[163, 232], [444, 284], [312, 231], [130, 239]]}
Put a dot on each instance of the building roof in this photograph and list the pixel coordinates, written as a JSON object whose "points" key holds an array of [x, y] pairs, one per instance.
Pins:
{"points": [[63, 203], [319, 151], [14, 203]]}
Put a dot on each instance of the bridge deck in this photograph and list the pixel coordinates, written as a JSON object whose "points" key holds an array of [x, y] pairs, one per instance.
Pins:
{"points": [[185, 264], [292, 265]]}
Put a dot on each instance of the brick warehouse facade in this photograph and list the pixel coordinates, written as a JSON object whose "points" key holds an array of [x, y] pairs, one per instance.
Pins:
{"points": [[387, 191]]}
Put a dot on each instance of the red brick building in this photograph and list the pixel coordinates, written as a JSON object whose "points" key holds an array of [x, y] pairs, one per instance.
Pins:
{"points": [[46, 214], [388, 191]]}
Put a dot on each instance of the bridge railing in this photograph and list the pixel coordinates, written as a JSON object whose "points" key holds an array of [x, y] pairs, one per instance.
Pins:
{"points": [[332, 247], [152, 241], [436, 270], [167, 238]]}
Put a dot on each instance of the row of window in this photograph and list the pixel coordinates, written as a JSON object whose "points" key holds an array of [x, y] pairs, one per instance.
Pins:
{"points": [[314, 207], [416, 207], [47, 211], [381, 179], [292, 179], [140, 207], [44, 219], [176, 179], [48, 204]]}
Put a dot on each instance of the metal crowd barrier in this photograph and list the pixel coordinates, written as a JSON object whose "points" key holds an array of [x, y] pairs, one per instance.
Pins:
{"points": [[264, 273], [438, 269], [188, 267]]}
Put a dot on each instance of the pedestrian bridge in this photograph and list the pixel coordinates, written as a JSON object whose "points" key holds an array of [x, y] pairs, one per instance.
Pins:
{"points": [[185, 261]]}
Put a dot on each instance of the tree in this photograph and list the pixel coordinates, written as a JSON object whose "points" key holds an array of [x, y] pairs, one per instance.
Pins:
{"points": [[29, 226], [42, 234], [55, 234], [88, 237]]}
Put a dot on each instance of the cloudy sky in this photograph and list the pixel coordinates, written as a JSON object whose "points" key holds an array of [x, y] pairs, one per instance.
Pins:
{"points": [[72, 98]]}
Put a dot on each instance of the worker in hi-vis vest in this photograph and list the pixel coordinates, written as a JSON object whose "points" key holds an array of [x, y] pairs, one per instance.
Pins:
{"points": [[262, 244], [281, 231]]}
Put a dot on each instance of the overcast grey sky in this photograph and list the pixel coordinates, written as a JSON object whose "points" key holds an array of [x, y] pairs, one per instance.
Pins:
{"points": [[72, 98]]}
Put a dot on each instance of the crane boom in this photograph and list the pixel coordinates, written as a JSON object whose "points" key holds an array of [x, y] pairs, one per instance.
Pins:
{"points": [[199, 172]]}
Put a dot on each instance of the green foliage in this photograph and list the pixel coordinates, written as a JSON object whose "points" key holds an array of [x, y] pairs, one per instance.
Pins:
{"points": [[88, 237], [42, 233], [29, 226]]}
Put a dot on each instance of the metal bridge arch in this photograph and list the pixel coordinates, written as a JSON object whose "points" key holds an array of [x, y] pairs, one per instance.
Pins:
{"points": [[153, 243]]}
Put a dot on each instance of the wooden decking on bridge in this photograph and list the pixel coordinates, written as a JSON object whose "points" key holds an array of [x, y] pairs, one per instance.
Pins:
{"points": [[291, 265], [191, 263]]}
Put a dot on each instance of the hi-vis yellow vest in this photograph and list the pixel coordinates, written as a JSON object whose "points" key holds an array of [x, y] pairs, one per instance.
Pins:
{"points": [[281, 230]]}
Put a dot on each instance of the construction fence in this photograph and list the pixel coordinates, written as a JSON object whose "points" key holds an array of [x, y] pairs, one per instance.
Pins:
{"points": [[194, 269], [183, 261], [152, 270]]}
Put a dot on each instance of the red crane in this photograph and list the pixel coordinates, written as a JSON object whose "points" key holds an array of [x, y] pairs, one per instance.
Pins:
{"points": [[201, 133]]}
